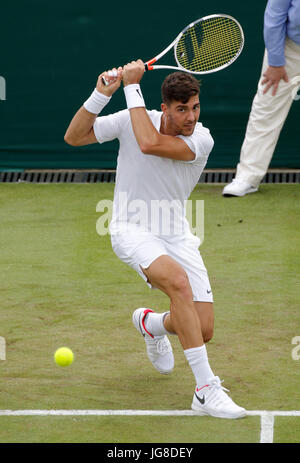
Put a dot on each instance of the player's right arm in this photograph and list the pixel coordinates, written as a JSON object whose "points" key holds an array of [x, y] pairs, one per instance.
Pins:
{"points": [[80, 131]]}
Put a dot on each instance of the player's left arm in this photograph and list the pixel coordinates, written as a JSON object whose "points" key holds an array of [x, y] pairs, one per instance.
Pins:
{"points": [[148, 138]]}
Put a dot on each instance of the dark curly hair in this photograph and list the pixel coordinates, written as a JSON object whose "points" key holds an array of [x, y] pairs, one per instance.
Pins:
{"points": [[179, 86]]}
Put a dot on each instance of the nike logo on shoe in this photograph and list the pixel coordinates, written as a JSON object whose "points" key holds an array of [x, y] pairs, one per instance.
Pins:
{"points": [[201, 399]]}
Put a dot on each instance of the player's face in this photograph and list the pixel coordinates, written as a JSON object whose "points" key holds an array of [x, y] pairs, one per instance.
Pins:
{"points": [[181, 118]]}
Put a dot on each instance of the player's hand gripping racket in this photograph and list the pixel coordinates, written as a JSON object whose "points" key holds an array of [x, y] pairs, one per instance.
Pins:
{"points": [[207, 45]]}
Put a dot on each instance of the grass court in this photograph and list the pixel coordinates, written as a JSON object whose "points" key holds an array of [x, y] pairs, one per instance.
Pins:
{"points": [[62, 285]]}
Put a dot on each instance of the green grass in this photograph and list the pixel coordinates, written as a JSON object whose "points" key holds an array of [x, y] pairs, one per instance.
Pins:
{"points": [[61, 284], [127, 429]]}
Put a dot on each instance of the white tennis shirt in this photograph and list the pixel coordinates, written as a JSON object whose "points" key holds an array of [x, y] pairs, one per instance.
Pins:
{"points": [[151, 191]]}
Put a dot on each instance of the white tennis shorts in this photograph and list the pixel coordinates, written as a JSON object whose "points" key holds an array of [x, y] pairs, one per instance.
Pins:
{"points": [[138, 247]]}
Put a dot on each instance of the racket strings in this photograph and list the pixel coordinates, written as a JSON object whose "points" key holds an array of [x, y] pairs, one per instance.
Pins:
{"points": [[209, 44]]}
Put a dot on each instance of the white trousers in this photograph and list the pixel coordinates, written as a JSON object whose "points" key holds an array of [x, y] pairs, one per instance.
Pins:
{"points": [[266, 119]]}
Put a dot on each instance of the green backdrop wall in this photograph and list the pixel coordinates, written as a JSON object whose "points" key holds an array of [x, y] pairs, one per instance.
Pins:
{"points": [[52, 53]]}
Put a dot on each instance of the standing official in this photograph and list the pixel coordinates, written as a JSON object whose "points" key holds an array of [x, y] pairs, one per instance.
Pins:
{"points": [[277, 87]]}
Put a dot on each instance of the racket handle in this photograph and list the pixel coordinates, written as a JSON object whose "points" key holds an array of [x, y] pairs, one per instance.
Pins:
{"points": [[111, 74], [148, 65]]}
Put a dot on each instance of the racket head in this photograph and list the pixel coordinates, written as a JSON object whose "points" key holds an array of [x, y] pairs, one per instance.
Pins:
{"points": [[209, 44]]}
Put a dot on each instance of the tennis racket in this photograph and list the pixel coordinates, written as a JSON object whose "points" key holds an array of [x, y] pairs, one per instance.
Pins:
{"points": [[207, 45]]}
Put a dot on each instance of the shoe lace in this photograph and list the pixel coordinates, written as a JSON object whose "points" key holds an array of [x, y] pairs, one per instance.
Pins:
{"points": [[217, 384], [218, 392]]}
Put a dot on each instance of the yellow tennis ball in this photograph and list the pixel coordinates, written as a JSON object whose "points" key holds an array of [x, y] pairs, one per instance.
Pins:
{"points": [[63, 356]]}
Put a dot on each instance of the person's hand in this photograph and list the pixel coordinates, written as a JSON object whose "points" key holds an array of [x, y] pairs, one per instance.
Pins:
{"points": [[273, 76], [133, 72], [113, 79]]}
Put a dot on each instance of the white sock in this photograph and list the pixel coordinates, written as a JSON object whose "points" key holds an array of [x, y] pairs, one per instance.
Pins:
{"points": [[154, 323], [198, 361]]}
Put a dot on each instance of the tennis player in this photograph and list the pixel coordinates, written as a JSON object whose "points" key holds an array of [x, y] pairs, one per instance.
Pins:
{"points": [[161, 157]]}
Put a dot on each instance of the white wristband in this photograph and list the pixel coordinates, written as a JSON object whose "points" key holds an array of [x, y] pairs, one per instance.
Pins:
{"points": [[134, 96], [96, 102]]}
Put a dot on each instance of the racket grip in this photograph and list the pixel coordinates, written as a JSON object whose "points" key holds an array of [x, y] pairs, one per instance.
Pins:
{"points": [[111, 74], [148, 65]]}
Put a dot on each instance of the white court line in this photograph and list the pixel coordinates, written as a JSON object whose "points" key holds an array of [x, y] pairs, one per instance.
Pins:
{"points": [[267, 423], [97, 412], [91, 412], [266, 428]]}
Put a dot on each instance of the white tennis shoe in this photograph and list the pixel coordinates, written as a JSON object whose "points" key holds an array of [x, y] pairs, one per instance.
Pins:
{"points": [[238, 188], [212, 400], [159, 348]]}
